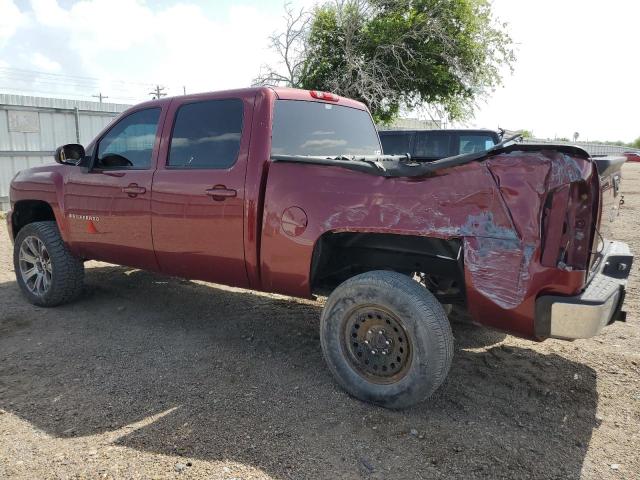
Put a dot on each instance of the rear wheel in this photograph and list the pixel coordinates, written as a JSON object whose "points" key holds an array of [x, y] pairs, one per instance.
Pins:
{"points": [[386, 339], [46, 271]]}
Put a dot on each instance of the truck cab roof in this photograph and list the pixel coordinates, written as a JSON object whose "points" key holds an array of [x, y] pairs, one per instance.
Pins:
{"points": [[281, 93]]}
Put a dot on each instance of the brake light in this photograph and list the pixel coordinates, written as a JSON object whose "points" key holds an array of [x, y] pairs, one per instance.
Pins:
{"points": [[567, 227], [326, 96]]}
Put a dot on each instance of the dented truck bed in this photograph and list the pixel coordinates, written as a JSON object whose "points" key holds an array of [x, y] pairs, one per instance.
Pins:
{"points": [[525, 216]]}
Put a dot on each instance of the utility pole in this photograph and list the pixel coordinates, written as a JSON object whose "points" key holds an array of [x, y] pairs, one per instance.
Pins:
{"points": [[100, 96], [184, 90], [157, 92]]}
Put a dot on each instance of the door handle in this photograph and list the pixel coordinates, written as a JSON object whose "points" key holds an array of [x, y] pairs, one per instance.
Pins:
{"points": [[133, 190], [220, 192]]}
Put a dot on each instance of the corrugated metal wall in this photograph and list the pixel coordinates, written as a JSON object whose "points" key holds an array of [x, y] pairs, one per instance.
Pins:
{"points": [[31, 128]]}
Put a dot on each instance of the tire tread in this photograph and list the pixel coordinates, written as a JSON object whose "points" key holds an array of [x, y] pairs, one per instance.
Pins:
{"points": [[430, 311], [68, 273]]}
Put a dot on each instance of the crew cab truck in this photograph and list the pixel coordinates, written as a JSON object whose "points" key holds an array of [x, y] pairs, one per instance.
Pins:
{"points": [[287, 191]]}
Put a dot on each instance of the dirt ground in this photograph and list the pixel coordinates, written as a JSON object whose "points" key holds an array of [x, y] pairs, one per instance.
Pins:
{"points": [[154, 377]]}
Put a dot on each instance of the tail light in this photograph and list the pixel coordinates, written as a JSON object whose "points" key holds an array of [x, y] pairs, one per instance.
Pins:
{"points": [[568, 226]]}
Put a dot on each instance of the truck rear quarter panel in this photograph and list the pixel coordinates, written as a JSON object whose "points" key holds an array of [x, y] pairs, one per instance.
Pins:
{"points": [[494, 206]]}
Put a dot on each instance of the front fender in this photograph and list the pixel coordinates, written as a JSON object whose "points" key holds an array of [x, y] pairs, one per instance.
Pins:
{"points": [[45, 184]]}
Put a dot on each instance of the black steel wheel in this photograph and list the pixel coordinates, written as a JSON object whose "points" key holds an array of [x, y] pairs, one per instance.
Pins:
{"points": [[377, 344], [386, 339]]}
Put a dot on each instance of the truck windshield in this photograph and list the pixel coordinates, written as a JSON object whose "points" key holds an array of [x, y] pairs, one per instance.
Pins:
{"points": [[322, 129]]}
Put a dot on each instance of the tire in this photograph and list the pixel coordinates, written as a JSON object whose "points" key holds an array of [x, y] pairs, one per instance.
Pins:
{"points": [[382, 311], [62, 273]]}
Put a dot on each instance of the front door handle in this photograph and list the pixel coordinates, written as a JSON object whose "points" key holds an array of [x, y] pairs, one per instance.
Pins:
{"points": [[220, 192], [133, 190]]}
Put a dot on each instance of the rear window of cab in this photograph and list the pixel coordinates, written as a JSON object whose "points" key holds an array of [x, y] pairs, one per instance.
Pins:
{"points": [[322, 129]]}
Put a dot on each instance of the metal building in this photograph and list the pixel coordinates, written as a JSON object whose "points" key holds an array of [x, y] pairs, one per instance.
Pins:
{"points": [[31, 128]]}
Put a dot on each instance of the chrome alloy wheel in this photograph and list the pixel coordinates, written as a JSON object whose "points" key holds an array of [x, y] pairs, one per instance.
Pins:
{"points": [[35, 266]]}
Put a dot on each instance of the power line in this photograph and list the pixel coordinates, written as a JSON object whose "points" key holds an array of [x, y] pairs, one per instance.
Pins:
{"points": [[76, 78], [24, 80], [64, 83], [56, 79], [67, 94]]}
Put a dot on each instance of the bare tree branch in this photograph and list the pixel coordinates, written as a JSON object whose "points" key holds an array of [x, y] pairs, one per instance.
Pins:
{"points": [[290, 46]]}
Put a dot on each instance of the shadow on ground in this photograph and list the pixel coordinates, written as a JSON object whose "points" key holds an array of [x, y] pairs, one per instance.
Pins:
{"points": [[247, 377]]}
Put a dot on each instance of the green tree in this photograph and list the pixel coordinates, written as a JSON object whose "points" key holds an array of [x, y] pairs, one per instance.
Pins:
{"points": [[636, 143], [526, 133], [394, 54]]}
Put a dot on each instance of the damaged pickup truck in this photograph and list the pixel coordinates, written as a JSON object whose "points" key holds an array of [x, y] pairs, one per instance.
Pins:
{"points": [[288, 191]]}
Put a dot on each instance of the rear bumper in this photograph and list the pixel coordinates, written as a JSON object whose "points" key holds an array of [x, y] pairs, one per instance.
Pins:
{"points": [[584, 315]]}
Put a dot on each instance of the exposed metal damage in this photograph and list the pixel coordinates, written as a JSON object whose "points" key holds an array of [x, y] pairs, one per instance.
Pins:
{"points": [[492, 202]]}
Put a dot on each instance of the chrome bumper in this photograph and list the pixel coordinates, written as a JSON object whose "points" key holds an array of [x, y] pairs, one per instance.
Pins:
{"points": [[600, 304]]}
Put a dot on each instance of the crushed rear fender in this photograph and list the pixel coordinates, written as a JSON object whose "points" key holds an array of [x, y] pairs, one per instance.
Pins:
{"points": [[492, 201]]}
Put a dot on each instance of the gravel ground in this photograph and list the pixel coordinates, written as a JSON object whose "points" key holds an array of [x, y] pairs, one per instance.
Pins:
{"points": [[154, 377]]}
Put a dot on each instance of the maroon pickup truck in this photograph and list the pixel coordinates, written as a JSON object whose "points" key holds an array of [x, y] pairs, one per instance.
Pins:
{"points": [[288, 191]]}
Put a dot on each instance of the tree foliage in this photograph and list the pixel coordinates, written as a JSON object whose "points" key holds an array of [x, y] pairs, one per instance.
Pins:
{"points": [[526, 133], [393, 54], [636, 143]]}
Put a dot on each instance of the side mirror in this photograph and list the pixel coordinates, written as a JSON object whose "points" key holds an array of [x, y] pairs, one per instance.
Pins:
{"points": [[70, 154]]}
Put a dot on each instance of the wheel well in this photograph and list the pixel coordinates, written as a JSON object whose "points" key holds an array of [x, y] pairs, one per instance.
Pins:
{"points": [[29, 211], [437, 262]]}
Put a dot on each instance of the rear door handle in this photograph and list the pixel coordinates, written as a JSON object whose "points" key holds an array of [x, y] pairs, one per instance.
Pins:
{"points": [[134, 190], [220, 192]]}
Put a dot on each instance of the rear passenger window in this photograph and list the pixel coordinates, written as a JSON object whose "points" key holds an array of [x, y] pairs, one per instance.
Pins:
{"points": [[206, 134]]}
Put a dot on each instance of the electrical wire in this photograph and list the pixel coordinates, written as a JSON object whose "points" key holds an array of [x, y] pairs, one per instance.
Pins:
{"points": [[46, 83]]}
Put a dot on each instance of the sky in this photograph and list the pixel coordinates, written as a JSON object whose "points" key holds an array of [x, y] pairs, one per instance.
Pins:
{"points": [[577, 67]]}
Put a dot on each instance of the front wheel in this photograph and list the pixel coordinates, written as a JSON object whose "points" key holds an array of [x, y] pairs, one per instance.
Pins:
{"points": [[47, 272], [386, 339]]}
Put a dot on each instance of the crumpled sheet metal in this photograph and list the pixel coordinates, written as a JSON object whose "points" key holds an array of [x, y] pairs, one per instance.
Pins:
{"points": [[499, 220], [494, 206]]}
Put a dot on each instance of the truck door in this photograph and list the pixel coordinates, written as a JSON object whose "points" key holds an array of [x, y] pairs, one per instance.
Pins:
{"points": [[108, 207], [198, 190]]}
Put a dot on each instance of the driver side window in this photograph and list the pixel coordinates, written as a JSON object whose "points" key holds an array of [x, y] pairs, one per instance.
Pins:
{"points": [[129, 144]]}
